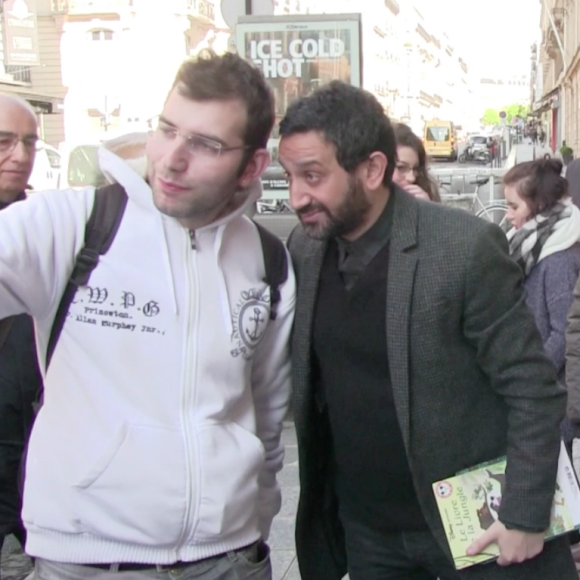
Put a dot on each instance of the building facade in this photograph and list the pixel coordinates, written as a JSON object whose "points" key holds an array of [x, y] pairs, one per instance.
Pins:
{"points": [[412, 68], [556, 86], [501, 91], [32, 82], [437, 82], [119, 58], [110, 63]]}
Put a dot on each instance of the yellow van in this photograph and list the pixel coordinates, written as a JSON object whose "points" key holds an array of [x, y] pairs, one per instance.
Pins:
{"points": [[439, 140]]}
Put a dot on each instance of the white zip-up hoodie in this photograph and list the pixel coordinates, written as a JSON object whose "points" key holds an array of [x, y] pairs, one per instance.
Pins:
{"points": [[159, 437]]}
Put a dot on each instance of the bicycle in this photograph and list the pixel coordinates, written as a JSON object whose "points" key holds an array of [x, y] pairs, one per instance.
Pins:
{"points": [[493, 211]]}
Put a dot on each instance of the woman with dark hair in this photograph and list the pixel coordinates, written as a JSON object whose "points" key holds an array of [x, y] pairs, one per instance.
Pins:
{"points": [[544, 242], [411, 172]]}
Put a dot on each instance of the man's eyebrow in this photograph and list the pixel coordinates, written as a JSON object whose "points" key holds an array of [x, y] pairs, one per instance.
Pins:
{"points": [[210, 137], [309, 163], [166, 121], [11, 134]]}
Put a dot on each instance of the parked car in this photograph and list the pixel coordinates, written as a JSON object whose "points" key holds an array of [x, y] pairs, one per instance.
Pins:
{"points": [[80, 166], [46, 170]]}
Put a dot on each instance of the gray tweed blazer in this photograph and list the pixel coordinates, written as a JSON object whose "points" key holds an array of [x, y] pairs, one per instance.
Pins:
{"points": [[469, 376]]}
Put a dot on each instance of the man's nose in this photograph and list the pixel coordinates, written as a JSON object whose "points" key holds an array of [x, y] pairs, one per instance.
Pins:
{"points": [[176, 155], [299, 196], [21, 153]]}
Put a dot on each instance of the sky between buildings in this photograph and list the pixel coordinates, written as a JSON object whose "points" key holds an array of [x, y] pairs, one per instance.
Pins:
{"points": [[494, 36]]}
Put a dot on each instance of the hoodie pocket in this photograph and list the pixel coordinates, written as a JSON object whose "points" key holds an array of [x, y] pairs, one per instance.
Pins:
{"points": [[231, 459], [134, 491]]}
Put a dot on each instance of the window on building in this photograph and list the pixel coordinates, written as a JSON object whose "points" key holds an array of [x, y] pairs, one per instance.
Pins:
{"points": [[101, 34], [19, 73]]}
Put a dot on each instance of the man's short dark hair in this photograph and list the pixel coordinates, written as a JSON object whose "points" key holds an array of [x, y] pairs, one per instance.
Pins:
{"points": [[211, 77], [349, 118]]}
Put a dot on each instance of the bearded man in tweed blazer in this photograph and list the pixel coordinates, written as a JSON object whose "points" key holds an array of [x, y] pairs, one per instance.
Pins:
{"points": [[414, 357]]}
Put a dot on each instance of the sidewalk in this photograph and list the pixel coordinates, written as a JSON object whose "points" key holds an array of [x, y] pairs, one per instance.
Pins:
{"points": [[281, 539], [526, 152]]}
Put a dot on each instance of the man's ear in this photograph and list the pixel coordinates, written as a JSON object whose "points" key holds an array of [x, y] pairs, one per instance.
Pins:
{"points": [[376, 167], [257, 164]]}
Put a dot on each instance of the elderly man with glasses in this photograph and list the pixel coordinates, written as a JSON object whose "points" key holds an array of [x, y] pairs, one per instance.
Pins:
{"points": [[20, 379], [156, 450]]}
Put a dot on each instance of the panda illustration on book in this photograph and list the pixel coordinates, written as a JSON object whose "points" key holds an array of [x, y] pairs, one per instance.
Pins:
{"points": [[492, 493]]}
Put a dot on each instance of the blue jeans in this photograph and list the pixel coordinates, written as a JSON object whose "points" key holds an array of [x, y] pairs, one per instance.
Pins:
{"points": [[379, 555], [232, 566]]}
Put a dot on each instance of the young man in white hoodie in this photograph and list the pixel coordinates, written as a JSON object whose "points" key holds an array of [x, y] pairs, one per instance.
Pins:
{"points": [[156, 450]]}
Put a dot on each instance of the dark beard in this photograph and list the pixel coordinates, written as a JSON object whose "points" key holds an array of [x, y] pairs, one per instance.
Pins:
{"points": [[347, 217]]}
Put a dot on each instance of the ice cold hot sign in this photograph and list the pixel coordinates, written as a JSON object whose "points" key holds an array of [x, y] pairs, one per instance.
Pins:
{"points": [[277, 62]]}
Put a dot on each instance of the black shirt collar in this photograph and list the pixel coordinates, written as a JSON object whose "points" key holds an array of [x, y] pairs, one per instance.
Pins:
{"points": [[357, 255]]}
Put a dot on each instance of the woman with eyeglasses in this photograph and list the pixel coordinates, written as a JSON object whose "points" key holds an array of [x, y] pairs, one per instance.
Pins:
{"points": [[411, 172]]}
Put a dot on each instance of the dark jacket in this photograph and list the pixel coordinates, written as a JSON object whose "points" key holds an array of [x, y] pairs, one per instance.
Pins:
{"points": [[20, 382], [573, 177], [472, 383], [573, 359], [550, 288]]}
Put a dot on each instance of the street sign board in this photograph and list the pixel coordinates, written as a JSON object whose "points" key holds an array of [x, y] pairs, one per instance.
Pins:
{"points": [[502, 115], [298, 54], [20, 33]]}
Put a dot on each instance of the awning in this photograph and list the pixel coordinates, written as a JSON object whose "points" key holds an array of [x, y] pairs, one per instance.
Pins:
{"points": [[545, 103], [46, 103]]}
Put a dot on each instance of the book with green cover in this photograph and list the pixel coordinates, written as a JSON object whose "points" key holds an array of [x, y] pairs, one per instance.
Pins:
{"points": [[469, 503]]}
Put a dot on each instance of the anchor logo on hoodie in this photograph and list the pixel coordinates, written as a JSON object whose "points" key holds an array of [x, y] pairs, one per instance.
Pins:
{"points": [[250, 319]]}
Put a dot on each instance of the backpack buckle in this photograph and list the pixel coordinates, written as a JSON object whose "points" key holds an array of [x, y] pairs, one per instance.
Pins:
{"points": [[85, 263]]}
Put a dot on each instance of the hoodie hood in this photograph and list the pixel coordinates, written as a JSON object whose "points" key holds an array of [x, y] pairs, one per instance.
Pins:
{"points": [[123, 160]]}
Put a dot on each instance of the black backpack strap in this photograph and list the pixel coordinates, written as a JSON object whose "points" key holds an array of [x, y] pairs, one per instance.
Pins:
{"points": [[276, 265], [5, 326], [104, 221]]}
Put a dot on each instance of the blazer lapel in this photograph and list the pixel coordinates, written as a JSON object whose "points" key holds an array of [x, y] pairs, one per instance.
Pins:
{"points": [[400, 281], [302, 342]]}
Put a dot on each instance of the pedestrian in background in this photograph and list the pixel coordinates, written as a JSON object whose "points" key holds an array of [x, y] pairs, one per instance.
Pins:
{"points": [[491, 150], [544, 241], [20, 379], [411, 170]]}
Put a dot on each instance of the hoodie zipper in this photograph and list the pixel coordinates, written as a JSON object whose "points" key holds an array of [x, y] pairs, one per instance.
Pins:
{"points": [[191, 451]]}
